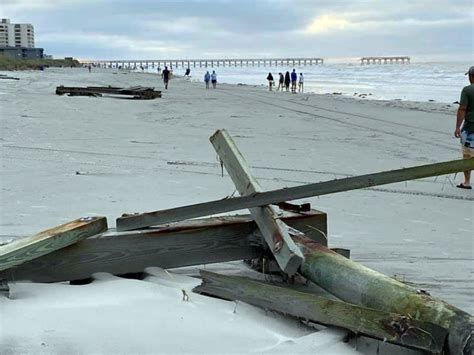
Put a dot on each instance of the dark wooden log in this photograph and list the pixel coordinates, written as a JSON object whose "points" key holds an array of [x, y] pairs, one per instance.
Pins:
{"points": [[188, 243], [357, 284], [22, 250], [138, 92], [391, 327], [292, 193]]}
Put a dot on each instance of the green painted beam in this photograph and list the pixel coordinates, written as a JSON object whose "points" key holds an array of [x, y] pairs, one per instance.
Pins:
{"points": [[50, 240], [386, 326]]}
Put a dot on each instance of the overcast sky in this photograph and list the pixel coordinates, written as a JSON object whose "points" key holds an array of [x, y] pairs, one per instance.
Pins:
{"points": [[154, 29]]}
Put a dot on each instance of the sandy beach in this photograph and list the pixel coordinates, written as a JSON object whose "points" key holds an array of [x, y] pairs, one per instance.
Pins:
{"points": [[66, 157]]}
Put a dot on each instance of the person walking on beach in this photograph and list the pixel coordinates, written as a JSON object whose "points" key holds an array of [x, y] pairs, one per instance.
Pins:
{"points": [[207, 78], [300, 83], [287, 81], [281, 80], [166, 77], [270, 81], [294, 78], [465, 125], [214, 79]]}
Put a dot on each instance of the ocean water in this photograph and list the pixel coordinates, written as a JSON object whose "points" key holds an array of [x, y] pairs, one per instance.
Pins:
{"points": [[437, 81]]}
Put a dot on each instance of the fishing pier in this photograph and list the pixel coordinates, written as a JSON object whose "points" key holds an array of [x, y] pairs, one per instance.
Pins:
{"points": [[385, 60], [202, 63]]}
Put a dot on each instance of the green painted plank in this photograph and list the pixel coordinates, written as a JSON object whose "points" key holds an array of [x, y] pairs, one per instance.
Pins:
{"points": [[378, 324], [29, 248]]}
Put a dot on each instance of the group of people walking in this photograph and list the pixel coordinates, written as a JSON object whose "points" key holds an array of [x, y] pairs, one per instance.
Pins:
{"points": [[284, 81], [212, 78]]}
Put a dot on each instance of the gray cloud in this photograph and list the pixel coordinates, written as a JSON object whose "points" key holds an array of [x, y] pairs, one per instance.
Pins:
{"points": [[202, 28]]}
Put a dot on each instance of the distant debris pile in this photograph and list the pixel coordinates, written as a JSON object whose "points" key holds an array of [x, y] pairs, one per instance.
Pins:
{"points": [[136, 92]]}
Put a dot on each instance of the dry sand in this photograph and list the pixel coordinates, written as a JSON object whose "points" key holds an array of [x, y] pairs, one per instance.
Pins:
{"points": [[66, 157]]}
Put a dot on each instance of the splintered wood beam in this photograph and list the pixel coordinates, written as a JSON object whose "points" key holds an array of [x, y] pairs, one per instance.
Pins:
{"points": [[276, 233], [50, 240], [391, 327], [292, 193], [191, 242]]}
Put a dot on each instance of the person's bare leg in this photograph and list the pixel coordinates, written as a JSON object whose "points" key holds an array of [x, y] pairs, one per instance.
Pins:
{"points": [[467, 173]]}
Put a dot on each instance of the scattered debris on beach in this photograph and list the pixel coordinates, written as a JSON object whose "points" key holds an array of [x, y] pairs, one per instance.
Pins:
{"points": [[287, 239], [135, 92], [4, 76]]}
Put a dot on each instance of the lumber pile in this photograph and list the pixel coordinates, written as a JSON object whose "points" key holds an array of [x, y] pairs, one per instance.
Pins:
{"points": [[286, 238], [135, 92]]}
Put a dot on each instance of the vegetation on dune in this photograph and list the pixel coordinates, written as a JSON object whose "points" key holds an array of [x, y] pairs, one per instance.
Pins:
{"points": [[7, 63]]}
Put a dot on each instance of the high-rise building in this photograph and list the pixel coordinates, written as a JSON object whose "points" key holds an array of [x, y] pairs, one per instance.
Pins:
{"points": [[16, 34]]}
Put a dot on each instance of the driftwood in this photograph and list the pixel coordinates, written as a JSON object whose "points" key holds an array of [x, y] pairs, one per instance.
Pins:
{"points": [[48, 241], [291, 193], [194, 242], [137, 92], [386, 326]]}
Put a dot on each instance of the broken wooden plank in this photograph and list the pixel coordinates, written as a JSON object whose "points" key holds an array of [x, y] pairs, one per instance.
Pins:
{"points": [[50, 240], [357, 284], [194, 242], [292, 193], [275, 232], [386, 326]]}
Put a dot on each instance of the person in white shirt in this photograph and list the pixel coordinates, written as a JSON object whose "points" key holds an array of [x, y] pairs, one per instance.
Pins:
{"points": [[214, 79], [300, 83]]}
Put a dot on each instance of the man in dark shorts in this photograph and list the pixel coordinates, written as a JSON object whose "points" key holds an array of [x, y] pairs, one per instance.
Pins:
{"points": [[294, 78], [166, 77], [465, 117]]}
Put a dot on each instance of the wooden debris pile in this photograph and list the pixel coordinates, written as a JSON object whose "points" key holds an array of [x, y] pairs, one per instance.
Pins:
{"points": [[290, 243], [135, 92]]}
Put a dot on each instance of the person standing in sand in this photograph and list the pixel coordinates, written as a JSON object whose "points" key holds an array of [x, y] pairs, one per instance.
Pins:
{"points": [[287, 81], [207, 78], [270, 81], [281, 80], [300, 83], [166, 74], [214, 79], [465, 125], [294, 78]]}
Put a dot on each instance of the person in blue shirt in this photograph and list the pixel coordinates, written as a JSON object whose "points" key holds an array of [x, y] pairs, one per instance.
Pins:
{"points": [[207, 79], [294, 79]]}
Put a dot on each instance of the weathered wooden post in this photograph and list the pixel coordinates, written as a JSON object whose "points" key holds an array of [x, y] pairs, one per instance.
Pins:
{"points": [[392, 327], [275, 232]]}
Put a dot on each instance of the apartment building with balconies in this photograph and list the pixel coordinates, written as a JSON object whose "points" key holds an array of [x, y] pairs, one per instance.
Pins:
{"points": [[16, 34]]}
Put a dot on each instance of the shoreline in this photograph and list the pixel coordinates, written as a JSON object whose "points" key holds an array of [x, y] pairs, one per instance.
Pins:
{"points": [[347, 89]]}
